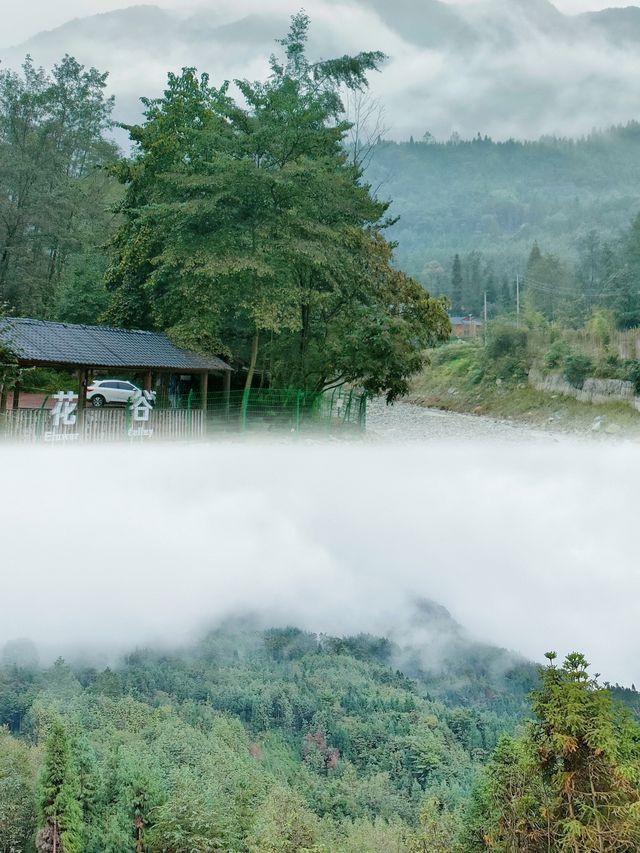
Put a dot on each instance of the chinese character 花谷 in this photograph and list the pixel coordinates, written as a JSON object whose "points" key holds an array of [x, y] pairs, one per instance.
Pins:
{"points": [[141, 406], [63, 413]]}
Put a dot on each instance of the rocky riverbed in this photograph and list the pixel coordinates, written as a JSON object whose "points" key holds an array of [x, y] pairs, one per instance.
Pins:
{"points": [[406, 421]]}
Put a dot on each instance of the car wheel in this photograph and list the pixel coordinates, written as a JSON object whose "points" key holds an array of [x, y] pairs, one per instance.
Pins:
{"points": [[98, 401]]}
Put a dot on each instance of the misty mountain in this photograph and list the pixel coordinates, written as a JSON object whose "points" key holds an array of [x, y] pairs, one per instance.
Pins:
{"points": [[619, 26], [502, 67], [434, 25], [436, 651]]}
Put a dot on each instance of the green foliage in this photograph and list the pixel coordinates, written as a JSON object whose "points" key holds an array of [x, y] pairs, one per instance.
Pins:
{"points": [[505, 340], [577, 367], [284, 824], [17, 795], [61, 826], [277, 740], [248, 231], [601, 326], [556, 354], [81, 295], [52, 207], [498, 197], [191, 820], [281, 741], [456, 284], [632, 373], [47, 380], [570, 783], [9, 370]]}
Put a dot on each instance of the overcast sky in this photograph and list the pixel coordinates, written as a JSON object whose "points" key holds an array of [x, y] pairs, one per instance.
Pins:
{"points": [[19, 21]]}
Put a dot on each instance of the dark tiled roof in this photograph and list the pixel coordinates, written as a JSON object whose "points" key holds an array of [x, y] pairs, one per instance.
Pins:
{"points": [[41, 342], [463, 321]]}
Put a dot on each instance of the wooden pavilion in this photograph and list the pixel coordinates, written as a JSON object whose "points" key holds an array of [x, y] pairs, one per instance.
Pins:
{"points": [[90, 349]]}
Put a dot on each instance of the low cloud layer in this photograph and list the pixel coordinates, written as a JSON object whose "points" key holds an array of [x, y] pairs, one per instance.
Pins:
{"points": [[530, 547], [29, 18], [501, 67]]}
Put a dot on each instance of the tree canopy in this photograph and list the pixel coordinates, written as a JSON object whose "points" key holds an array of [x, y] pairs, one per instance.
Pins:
{"points": [[248, 231], [53, 194]]}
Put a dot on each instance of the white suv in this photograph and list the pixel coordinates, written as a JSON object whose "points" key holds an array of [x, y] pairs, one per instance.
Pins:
{"points": [[112, 391]]}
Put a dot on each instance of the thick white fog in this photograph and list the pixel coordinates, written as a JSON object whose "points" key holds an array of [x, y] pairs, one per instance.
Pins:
{"points": [[530, 547]]}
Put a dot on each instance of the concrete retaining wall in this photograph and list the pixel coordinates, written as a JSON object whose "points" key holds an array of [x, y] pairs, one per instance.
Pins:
{"points": [[593, 390]]}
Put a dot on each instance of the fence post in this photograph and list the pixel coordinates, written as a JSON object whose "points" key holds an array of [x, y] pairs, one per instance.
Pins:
{"points": [[347, 411], [363, 411], [333, 398], [189, 399], [299, 396]]}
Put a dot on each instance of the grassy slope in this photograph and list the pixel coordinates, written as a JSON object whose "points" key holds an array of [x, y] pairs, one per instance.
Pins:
{"points": [[450, 383]]}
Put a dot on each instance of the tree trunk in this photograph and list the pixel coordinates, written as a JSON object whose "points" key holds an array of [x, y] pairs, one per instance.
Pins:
{"points": [[572, 815], [594, 802], [253, 362], [304, 342]]}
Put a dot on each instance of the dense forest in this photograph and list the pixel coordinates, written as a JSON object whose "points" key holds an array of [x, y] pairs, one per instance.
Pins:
{"points": [[498, 197], [285, 741], [491, 202]]}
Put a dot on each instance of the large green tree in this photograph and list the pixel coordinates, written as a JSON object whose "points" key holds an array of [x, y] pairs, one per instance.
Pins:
{"points": [[248, 230]]}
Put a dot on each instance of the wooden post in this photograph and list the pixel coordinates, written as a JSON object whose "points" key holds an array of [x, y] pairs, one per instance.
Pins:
{"points": [[4, 393], [148, 381], [16, 395], [82, 401], [204, 390], [163, 391], [226, 376]]}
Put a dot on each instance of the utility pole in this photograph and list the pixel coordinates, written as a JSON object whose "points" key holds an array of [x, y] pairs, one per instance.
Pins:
{"points": [[518, 301], [485, 317]]}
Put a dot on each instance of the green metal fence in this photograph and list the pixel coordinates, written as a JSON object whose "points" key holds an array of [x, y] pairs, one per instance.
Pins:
{"points": [[278, 409]]}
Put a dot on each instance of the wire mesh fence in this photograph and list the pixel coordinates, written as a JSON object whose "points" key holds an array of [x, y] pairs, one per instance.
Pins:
{"points": [[190, 416], [282, 409]]}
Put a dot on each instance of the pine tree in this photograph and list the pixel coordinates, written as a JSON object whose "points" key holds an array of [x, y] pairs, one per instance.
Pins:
{"points": [[571, 783], [535, 255], [456, 284], [589, 757], [506, 295], [61, 827]]}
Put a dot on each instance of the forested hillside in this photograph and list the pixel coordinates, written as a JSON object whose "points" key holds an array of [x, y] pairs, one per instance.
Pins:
{"points": [[249, 730], [255, 740], [497, 198]]}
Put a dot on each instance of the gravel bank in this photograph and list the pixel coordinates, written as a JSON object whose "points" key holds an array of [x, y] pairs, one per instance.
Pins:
{"points": [[404, 422]]}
